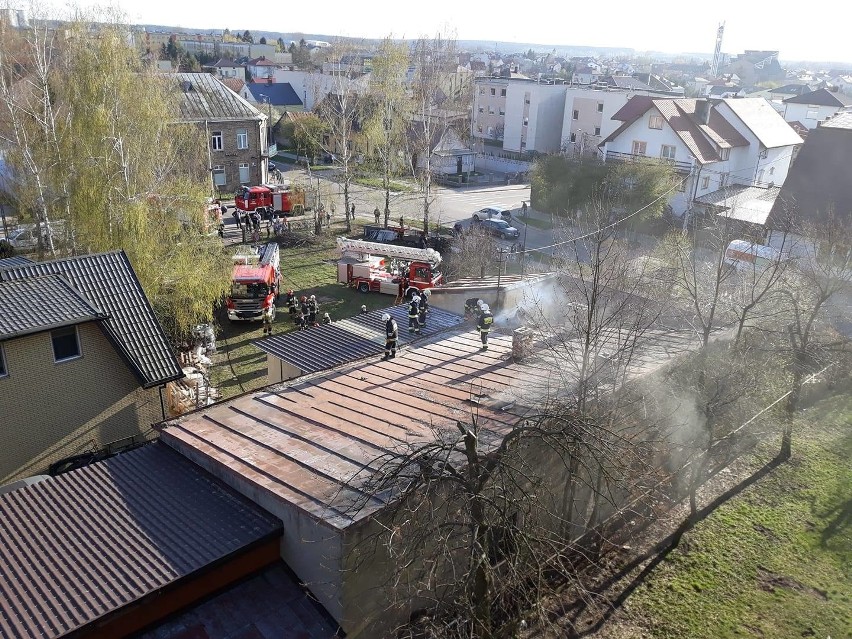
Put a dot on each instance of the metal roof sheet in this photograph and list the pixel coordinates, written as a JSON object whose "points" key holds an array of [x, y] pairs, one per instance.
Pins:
{"points": [[107, 280], [17, 260], [348, 340], [40, 304], [822, 97], [204, 97], [313, 443], [270, 605], [85, 544], [764, 121]]}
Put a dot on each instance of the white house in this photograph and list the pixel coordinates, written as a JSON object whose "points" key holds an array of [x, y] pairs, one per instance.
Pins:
{"points": [[714, 145], [817, 106]]}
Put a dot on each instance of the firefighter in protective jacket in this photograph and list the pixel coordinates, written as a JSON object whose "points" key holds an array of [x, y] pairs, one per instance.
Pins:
{"points": [[391, 336], [424, 306], [291, 302], [486, 319], [414, 315]]}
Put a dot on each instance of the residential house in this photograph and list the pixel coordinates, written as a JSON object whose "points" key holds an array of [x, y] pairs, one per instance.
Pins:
{"points": [[818, 184], [276, 94], [712, 144], [261, 68], [586, 74], [312, 88], [83, 360], [227, 68], [236, 130], [817, 106], [236, 85]]}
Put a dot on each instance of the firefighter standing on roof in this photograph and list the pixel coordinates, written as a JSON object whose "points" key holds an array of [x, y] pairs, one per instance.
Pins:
{"points": [[486, 319], [424, 306], [391, 336], [414, 315]]}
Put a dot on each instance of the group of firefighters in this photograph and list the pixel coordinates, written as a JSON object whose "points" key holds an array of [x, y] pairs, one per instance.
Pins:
{"points": [[305, 310]]}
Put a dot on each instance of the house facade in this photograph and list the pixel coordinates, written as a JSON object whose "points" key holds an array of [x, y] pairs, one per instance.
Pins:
{"points": [[227, 68], [712, 144], [815, 107], [83, 361], [235, 129]]}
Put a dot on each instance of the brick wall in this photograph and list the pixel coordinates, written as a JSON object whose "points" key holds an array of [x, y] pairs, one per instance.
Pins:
{"points": [[230, 157], [53, 410]]}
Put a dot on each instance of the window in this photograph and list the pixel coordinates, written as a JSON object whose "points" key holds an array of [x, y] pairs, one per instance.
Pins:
{"points": [[502, 111], [502, 93], [597, 130], [667, 152], [3, 369], [600, 107], [811, 114], [771, 170], [760, 176], [575, 115], [65, 343], [244, 173], [526, 100], [482, 109], [705, 183], [724, 153], [216, 141], [656, 121], [639, 147], [573, 137], [219, 175], [242, 138], [491, 110], [526, 121], [493, 91]]}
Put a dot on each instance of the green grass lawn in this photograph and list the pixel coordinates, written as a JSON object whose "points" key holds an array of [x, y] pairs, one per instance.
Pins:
{"points": [[775, 561], [535, 222], [376, 183], [308, 268]]}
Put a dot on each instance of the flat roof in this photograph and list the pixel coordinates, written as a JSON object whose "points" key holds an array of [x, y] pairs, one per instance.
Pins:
{"points": [[314, 443]]}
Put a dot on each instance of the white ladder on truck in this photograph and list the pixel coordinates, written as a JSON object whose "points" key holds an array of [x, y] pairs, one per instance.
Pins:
{"points": [[410, 253]]}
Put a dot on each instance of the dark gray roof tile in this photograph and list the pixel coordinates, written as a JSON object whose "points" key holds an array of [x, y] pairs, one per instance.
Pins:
{"points": [[108, 282], [203, 97], [40, 304]]}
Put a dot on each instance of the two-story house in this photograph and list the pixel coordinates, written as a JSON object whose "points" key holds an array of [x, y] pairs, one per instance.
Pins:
{"points": [[83, 360], [236, 131], [227, 68], [261, 68], [817, 106], [718, 147]]}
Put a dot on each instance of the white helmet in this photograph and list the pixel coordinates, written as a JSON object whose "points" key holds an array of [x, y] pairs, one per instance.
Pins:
{"points": [[480, 303], [313, 297], [415, 298], [427, 292], [386, 317], [326, 315], [484, 308], [363, 308]]}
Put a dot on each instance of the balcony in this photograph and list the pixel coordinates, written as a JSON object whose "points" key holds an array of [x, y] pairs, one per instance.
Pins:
{"points": [[679, 167]]}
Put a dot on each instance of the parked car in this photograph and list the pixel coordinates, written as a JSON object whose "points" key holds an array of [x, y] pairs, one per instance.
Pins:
{"points": [[492, 212], [500, 228]]}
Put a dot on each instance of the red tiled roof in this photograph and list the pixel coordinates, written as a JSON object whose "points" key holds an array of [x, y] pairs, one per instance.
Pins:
{"points": [[234, 84], [677, 113], [633, 108]]}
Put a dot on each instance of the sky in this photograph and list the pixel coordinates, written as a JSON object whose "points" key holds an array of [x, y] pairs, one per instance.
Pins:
{"points": [[664, 25]]}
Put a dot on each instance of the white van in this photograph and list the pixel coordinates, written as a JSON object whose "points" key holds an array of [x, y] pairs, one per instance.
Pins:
{"points": [[743, 255]]}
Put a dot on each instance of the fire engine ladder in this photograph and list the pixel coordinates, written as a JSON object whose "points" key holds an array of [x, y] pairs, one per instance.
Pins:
{"points": [[267, 253], [430, 256]]}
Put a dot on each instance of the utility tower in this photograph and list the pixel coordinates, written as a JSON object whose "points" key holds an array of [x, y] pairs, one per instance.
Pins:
{"points": [[717, 54]]}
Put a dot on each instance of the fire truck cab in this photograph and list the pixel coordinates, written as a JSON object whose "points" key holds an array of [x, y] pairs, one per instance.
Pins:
{"points": [[255, 283]]}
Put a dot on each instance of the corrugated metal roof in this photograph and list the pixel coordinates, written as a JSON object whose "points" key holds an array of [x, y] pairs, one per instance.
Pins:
{"points": [[271, 605], [85, 544], [348, 340], [764, 121], [745, 203], [313, 444], [40, 304], [107, 280], [203, 97]]}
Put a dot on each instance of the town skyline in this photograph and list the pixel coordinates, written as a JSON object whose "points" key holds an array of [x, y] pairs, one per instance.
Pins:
{"points": [[623, 25]]}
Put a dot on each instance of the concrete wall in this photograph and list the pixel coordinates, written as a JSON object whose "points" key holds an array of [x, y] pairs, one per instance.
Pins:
{"points": [[277, 370], [800, 112], [54, 410]]}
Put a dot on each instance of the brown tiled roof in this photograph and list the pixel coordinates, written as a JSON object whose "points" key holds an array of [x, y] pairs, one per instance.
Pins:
{"points": [[234, 84], [678, 114], [633, 108], [80, 547]]}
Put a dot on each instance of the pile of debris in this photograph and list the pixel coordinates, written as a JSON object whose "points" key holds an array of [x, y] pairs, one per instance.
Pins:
{"points": [[194, 389]]}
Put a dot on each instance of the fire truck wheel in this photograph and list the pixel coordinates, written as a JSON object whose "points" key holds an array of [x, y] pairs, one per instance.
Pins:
{"points": [[364, 287]]}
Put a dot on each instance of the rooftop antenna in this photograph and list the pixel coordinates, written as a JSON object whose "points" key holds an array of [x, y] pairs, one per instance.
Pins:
{"points": [[717, 54]]}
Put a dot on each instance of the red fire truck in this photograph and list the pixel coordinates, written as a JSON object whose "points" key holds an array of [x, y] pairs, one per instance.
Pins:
{"points": [[255, 282], [372, 266], [281, 199]]}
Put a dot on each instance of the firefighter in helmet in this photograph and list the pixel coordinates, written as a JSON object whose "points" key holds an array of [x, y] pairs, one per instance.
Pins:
{"points": [[391, 336], [313, 307], [486, 319], [304, 310], [424, 306], [291, 302], [414, 315]]}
